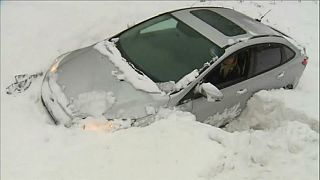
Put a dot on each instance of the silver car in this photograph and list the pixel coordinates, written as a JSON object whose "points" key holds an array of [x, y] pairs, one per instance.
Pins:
{"points": [[206, 60]]}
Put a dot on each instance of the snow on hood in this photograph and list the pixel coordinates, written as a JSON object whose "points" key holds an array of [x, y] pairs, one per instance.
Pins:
{"points": [[139, 81], [94, 103], [90, 87]]}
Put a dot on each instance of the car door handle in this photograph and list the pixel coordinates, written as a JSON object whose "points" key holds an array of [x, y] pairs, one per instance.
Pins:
{"points": [[242, 91], [280, 75]]}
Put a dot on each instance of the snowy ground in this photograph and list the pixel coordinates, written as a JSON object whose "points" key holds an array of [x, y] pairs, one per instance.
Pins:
{"points": [[277, 137]]}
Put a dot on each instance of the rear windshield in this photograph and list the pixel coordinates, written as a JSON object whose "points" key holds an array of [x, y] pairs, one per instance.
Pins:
{"points": [[222, 24]]}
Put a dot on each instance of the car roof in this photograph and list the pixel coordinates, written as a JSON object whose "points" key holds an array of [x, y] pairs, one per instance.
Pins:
{"points": [[252, 27]]}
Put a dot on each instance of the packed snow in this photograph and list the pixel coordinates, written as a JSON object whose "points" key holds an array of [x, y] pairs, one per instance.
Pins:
{"points": [[229, 114], [94, 103], [276, 136], [187, 79], [267, 109]]}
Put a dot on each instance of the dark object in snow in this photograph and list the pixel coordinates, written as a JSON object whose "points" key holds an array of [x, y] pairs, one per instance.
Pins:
{"points": [[259, 20], [22, 83]]}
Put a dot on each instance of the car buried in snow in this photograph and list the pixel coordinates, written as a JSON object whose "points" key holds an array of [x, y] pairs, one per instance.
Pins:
{"points": [[206, 60]]}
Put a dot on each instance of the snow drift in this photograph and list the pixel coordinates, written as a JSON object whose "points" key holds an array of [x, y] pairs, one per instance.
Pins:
{"points": [[275, 138]]}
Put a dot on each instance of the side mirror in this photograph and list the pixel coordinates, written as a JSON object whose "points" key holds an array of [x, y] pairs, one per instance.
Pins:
{"points": [[210, 91]]}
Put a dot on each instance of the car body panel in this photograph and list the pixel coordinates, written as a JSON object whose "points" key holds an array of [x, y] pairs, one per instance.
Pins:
{"points": [[215, 113], [236, 96]]}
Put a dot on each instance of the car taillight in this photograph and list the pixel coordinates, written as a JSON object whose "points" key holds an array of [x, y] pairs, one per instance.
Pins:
{"points": [[305, 61]]}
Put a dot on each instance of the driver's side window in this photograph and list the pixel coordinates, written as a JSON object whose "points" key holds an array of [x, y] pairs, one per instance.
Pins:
{"points": [[231, 70]]}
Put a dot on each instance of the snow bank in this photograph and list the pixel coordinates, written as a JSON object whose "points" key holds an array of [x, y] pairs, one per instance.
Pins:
{"points": [[267, 109], [139, 81], [268, 154], [228, 114]]}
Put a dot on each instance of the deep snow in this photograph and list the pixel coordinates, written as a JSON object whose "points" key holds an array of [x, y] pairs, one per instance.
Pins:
{"points": [[276, 137]]}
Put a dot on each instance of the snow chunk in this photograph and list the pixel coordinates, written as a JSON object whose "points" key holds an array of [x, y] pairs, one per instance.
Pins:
{"points": [[183, 83], [211, 91], [94, 103], [139, 81], [167, 87], [228, 114], [150, 110], [173, 115], [118, 75], [114, 40]]}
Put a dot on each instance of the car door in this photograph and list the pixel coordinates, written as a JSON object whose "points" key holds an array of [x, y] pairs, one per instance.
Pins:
{"points": [[266, 71], [235, 93], [261, 70]]}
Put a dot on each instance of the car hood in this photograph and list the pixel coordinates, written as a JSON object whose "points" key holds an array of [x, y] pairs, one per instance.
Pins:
{"points": [[93, 86]]}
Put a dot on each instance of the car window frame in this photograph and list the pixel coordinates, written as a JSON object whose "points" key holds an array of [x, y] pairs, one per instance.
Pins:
{"points": [[196, 96], [255, 52], [283, 61], [236, 81]]}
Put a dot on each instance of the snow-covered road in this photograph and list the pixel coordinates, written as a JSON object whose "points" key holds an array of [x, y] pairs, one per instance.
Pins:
{"points": [[276, 137]]}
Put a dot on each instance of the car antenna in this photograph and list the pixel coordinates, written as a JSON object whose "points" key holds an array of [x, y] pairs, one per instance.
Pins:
{"points": [[259, 20]]}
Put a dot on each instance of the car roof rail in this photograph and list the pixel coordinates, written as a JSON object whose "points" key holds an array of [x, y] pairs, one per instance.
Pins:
{"points": [[266, 35], [253, 37], [197, 7]]}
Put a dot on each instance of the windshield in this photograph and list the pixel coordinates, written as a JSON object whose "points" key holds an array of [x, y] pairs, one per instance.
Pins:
{"points": [[165, 49]]}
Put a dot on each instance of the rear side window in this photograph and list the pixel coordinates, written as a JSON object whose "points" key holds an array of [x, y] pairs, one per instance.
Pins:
{"points": [[222, 24], [288, 54], [266, 57]]}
